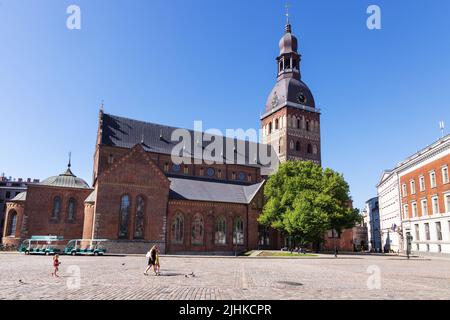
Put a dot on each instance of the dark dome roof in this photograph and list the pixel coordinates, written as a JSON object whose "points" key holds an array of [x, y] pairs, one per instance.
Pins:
{"points": [[289, 90], [288, 43], [66, 180]]}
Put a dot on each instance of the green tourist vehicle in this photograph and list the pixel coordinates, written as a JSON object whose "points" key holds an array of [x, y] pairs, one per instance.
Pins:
{"points": [[85, 247], [45, 245]]}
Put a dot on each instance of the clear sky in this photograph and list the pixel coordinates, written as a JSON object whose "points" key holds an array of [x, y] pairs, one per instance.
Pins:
{"points": [[382, 92]]}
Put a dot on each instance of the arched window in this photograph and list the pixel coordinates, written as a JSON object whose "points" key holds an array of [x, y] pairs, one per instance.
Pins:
{"points": [[197, 230], [297, 146], [307, 125], [291, 145], [309, 148], [238, 231], [299, 123], [124, 216], [12, 224], [71, 209], [270, 127], [220, 235], [277, 124], [56, 208], [315, 149], [178, 229], [139, 220]]}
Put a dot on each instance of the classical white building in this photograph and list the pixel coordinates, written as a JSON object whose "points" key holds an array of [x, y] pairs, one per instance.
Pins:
{"points": [[390, 214]]}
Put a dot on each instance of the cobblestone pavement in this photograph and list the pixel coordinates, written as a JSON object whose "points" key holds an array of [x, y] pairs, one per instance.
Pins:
{"points": [[121, 277]]}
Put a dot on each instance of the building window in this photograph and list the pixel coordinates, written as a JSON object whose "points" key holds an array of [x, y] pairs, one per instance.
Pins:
{"points": [[445, 178], [71, 209], [110, 159], [270, 127], [424, 207], [178, 229], [238, 231], [414, 209], [438, 231], [8, 194], [417, 232], [277, 124], [219, 174], [297, 146], [299, 123], [139, 221], [233, 175], [249, 178], [404, 192], [405, 211], [422, 183], [433, 179], [220, 235], [166, 167], [124, 216], [12, 224], [447, 203], [427, 231], [56, 208], [307, 125], [186, 170], [435, 205], [315, 149], [309, 148], [291, 145], [413, 186], [202, 171], [197, 230]]}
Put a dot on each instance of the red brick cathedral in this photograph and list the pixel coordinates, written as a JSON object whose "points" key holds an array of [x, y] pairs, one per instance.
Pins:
{"points": [[140, 197]]}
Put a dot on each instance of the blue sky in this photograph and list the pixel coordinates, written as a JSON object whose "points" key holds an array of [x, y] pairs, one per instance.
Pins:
{"points": [[382, 93]]}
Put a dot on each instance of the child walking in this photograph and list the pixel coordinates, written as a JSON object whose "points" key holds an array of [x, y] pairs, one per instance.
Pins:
{"points": [[56, 264], [157, 265]]}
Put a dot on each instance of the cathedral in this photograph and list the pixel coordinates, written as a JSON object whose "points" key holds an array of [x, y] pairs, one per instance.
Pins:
{"points": [[140, 196]]}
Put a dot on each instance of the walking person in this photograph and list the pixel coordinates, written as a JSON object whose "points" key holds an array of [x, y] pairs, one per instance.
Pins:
{"points": [[157, 265], [151, 255], [56, 264]]}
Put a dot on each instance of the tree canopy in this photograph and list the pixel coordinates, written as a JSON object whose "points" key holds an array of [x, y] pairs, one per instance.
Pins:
{"points": [[304, 201]]}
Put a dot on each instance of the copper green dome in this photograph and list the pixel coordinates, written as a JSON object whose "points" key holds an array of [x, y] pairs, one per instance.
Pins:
{"points": [[67, 180]]}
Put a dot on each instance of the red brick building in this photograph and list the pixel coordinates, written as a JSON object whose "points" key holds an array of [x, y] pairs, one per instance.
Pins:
{"points": [[54, 206], [141, 196]]}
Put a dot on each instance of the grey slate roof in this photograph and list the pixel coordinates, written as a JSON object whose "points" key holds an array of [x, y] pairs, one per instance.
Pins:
{"points": [[126, 133], [66, 180], [20, 197], [91, 198], [198, 190]]}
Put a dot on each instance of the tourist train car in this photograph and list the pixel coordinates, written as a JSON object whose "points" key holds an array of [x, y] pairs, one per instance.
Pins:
{"points": [[85, 247], [47, 245]]}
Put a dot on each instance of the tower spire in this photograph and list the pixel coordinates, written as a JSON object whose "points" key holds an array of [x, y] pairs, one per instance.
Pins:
{"points": [[288, 27], [70, 160]]}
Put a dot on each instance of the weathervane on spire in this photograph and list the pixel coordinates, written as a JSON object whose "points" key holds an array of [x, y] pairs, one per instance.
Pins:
{"points": [[70, 158], [287, 6], [288, 25]]}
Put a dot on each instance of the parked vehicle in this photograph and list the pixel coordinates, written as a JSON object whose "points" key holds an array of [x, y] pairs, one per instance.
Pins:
{"points": [[47, 245], [85, 247]]}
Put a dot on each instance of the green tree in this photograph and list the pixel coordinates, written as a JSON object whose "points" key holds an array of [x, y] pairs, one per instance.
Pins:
{"points": [[304, 201]]}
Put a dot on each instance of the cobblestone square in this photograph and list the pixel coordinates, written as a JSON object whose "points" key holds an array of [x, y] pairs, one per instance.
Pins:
{"points": [[216, 278]]}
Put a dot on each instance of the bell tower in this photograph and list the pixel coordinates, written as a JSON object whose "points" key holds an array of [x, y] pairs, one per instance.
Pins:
{"points": [[291, 122]]}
